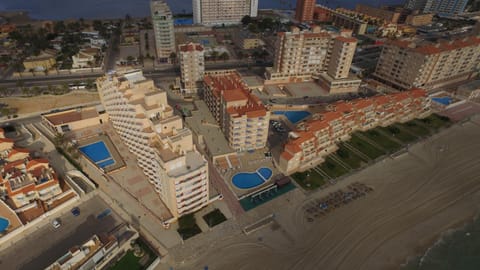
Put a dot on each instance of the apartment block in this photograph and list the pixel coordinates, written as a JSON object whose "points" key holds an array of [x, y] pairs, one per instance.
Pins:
{"points": [[306, 55], [384, 14], [164, 149], [314, 139], [416, 19], [408, 63], [192, 66], [241, 116], [444, 7], [162, 20], [218, 12], [344, 18], [304, 10]]}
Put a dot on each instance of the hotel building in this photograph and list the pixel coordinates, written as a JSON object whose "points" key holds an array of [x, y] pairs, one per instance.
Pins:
{"points": [[306, 55], [408, 63], [304, 10], [218, 12], [164, 149], [162, 20], [312, 140], [192, 66], [241, 116]]}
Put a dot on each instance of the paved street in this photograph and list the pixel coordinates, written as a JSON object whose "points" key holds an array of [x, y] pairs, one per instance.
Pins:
{"points": [[45, 245]]}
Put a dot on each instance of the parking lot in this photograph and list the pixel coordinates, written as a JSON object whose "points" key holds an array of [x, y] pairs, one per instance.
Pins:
{"points": [[47, 244]]}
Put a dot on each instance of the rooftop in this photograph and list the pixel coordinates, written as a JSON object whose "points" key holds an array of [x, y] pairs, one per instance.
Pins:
{"points": [[202, 123], [424, 47], [69, 116], [190, 47], [193, 161]]}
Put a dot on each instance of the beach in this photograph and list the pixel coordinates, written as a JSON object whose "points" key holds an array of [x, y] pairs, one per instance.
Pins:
{"points": [[417, 197]]}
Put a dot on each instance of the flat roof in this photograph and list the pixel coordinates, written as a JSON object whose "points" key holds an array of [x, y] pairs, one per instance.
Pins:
{"points": [[202, 123], [302, 89], [71, 115], [253, 81]]}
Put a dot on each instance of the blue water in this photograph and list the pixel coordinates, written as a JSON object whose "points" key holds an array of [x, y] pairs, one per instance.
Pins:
{"points": [[183, 21], [96, 152], [106, 163], [293, 116], [458, 250], [443, 100], [265, 172], [250, 180], [64, 9], [4, 223]]}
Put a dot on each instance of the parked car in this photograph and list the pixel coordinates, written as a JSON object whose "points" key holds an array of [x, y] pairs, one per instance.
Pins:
{"points": [[75, 211], [56, 223]]}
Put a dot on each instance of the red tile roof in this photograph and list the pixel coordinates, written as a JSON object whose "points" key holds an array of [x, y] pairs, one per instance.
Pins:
{"points": [[190, 47], [286, 155], [34, 162]]}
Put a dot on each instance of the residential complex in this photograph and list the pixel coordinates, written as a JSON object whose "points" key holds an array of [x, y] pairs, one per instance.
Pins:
{"points": [[384, 14], [445, 7], [218, 12], [304, 10], [241, 116], [192, 66], [42, 62], [303, 55], [312, 140], [162, 20], [164, 149], [97, 251], [408, 63], [30, 187]]}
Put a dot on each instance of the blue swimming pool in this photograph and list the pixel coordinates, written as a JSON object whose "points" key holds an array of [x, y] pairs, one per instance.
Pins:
{"points": [[183, 21], [443, 100], [248, 180], [293, 116], [98, 153], [4, 223]]}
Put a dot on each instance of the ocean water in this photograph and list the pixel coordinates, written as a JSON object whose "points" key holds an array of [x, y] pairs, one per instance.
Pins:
{"points": [[457, 250], [64, 9]]}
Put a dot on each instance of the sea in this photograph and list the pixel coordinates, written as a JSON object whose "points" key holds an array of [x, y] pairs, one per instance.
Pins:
{"points": [[91, 9], [455, 250]]}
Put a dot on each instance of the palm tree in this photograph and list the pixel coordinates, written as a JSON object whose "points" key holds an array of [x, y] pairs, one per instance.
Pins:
{"points": [[224, 56], [60, 139]]}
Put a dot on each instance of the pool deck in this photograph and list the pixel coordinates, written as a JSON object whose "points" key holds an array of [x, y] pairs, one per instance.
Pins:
{"points": [[7, 213], [119, 162], [251, 162]]}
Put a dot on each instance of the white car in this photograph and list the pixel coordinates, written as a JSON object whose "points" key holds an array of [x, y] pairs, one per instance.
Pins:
{"points": [[56, 223]]}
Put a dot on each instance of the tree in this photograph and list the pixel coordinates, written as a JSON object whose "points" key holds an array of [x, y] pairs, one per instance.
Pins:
{"points": [[224, 56], [246, 20], [214, 55], [60, 140], [59, 27], [130, 59]]}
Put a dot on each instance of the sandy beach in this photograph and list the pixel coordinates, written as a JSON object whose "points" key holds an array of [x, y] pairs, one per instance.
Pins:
{"points": [[417, 197], [49, 102]]}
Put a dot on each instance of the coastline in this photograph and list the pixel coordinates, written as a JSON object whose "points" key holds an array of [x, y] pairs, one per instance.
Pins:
{"points": [[437, 240]]}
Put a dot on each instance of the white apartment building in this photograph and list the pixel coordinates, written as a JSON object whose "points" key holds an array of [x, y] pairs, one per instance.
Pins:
{"points": [[164, 149], [445, 7], [162, 20], [218, 12], [242, 117], [408, 63], [192, 66], [316, 54]]}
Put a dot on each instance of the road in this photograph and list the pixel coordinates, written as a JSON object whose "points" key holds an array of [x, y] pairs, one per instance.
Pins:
{"points": [[46, 244]]}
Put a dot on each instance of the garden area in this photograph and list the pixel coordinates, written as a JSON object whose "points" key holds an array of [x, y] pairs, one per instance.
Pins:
{"points": [[332, 168], [382, 140], [138, 258], [367, 149], [416, 127], [435, 122], [187, 226], [398, 133], [310, 179], [214, 218], [348, 157]]}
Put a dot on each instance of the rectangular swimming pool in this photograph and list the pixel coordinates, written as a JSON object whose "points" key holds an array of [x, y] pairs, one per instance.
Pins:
{"points": [[98, 153]]}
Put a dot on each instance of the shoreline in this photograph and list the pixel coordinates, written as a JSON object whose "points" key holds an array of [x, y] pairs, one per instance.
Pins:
{"points": [[438, 240]]}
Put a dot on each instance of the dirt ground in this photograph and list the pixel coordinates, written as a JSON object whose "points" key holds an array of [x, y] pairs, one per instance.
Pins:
{"points": [[417, 197], [49, 102]]}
